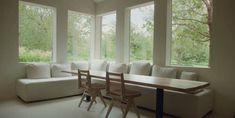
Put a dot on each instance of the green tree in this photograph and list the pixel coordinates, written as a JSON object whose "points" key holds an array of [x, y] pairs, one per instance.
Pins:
{"points": [[35, 33], [191, 29], [79, 35]]}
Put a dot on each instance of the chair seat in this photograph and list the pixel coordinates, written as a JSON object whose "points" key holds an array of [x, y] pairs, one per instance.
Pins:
{"points": [[128, 93], [97, 86]]}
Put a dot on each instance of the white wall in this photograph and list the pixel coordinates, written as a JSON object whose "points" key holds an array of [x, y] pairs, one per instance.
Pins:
{"points": [[220, 75], [10, 68]]}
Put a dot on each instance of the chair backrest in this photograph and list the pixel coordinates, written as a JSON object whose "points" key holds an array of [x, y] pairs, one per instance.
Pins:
{"points": [[84, 75], [116, 78]]}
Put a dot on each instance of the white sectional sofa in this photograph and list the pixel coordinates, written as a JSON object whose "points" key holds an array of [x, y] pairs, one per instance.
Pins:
{"points": [[45, 81], [185, 105]]}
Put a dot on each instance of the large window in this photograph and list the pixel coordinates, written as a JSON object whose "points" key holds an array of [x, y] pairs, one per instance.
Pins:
{"points": [[36, 32], [108, 36], [141, 33], [191, 29], [80, 29]]}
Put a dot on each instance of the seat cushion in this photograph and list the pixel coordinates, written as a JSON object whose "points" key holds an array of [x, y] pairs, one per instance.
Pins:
{"points": [[83, 65], [38, 70], [98, 65], [140, 68], [188, 75], [57, 68], [117, 67], [163, 72]]}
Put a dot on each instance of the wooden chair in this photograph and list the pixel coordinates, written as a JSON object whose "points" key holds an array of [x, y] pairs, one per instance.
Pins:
{"points": [[90, 89], [120, 94]]}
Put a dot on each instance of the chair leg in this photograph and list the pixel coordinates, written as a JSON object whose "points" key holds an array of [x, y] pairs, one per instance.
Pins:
{"points": [[136, 109], [93, 99], [120, 104], [129, 103], [102, 99], [110, 108], [83, 96]]}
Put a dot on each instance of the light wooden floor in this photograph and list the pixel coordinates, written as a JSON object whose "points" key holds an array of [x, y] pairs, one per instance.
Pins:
{"points": [[62, 108]]}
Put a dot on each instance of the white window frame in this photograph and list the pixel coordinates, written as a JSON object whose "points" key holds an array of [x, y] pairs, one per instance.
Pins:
{"points": [[127, 31], [98, 41], [92, 38], [169, 39], [54, 28]]}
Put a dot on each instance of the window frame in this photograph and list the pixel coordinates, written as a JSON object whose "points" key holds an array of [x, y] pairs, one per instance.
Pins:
{"points": [[92, 37], [99, 35], [54, 30], [169, 43], [127, 30]]}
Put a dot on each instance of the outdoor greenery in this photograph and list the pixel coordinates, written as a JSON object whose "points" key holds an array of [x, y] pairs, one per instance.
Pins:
{"points": [[190, 42], [79, 36], [35, 33], [108, 36], [191, 24], [141, 33]]}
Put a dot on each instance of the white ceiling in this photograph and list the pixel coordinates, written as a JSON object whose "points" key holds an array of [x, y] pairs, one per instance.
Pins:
{"points": [[98, 1]]}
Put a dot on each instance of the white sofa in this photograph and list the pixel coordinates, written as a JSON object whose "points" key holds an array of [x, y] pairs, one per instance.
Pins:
{"points": [[185, 105], [45, 81]]}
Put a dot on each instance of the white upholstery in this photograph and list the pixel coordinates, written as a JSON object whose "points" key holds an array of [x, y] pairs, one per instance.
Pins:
{"points": [[57, 68], [188, 75], [187, 105], [140, 68], [99, 65], [163, 72], [83, 65], [117, 67], [38, 70], [42, 89]]}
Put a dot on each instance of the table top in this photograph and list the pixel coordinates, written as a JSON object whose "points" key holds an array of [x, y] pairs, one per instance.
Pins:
{"points": [[156, 82]]}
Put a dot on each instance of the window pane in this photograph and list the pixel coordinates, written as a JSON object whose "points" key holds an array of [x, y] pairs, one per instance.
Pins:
{"points": [[141, 33], [79, 36], [108, 37], [190, 32], [35, 33]]}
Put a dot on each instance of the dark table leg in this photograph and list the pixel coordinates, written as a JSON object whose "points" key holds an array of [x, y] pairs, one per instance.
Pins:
{"points": [[159, 103], [88, 98]]}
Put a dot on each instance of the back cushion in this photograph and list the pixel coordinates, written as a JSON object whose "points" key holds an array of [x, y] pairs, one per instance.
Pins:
{"points": [[163, 72], [83, 65], [188, 75], [140, 68], [57, 68], [99, 65], [38, 70], [118, 67]]}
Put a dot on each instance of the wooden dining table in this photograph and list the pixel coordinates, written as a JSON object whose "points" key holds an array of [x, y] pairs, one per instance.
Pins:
{"points": [[160, 83]]}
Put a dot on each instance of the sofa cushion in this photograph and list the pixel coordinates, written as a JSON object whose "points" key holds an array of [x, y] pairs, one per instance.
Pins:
{"points": [[117, 67], [38, 70], [83, 65], [140, 68], [99, 65], [188, 75], [57, 68], [163, 72]]}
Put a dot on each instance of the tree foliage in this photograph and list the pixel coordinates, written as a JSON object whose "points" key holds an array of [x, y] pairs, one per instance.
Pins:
{"points": [[35, 33], [191, 24], [141, 33], [79, 36]]}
